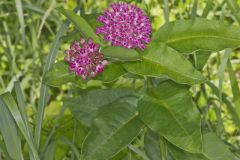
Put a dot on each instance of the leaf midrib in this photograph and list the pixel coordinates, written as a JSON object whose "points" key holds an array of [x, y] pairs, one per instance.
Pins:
{"points": [[164, 105], [175, 40], [112, 134], [176, 71]]}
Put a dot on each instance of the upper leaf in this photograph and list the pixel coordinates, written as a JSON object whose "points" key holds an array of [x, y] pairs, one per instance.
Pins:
{"points": [[114, 127], [120, 53], [162, 60], [168, 109], [187, 36]]}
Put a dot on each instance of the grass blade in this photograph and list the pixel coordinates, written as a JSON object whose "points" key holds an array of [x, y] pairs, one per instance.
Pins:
{"points": [[21, 20], [207, 9], [227, 102], [222, 70], [72, 146], [13, 108], [235, 87], [194, 9], [44, 88], [21, 103], [10, 133], [166, 11]]}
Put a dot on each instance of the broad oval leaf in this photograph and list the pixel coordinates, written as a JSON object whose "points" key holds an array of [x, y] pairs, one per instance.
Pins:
{"points": [[213, 149], [81, 24], [85, 106], [162, 60], [168, 110], [187, 36], [114, 127], [120, 53], [59, 74]]}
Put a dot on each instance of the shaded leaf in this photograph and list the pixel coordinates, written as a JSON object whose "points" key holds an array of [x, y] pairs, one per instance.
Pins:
{"points": [[168, 110], [85, 106], [213, 149], [151, 145], [114, 127]]}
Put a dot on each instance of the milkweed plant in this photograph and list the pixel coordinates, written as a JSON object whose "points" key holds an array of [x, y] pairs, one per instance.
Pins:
{"points": [[134, 88]]}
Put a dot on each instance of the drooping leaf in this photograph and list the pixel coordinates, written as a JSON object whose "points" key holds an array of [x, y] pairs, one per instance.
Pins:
{"points": [[151, 145], [187, 36], [81, 24], [85, 106], [114, 127], [59, 74], [120, 53], [168, 110], [213, 149], [162, 60]]}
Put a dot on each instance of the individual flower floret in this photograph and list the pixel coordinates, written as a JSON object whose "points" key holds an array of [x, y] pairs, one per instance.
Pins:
{"points": [[85, 59], [125, 25]]}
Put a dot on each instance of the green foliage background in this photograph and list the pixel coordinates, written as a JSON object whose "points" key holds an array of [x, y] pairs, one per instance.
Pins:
{"points": [[27, 30]]}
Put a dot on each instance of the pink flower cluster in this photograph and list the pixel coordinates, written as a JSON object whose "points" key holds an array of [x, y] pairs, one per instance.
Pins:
{"points": [[125, 25], [85, 59]]}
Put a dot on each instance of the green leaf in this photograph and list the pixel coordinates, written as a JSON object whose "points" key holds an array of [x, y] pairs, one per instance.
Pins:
{"points": [[111, 73], [235, 87], [81, 24], [114, 127], [162, 60], [187, 36], [213, 149], [228, 103], [85, 106], [59, 74], [44, 88], [151, 145], [10, 133], [120, 53], [9, 101], [92, 19], [201, 59], [168, 110]]}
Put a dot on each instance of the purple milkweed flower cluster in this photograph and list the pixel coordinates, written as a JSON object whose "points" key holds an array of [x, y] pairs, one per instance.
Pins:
{"points": [[85, 59], [125, 25]]}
